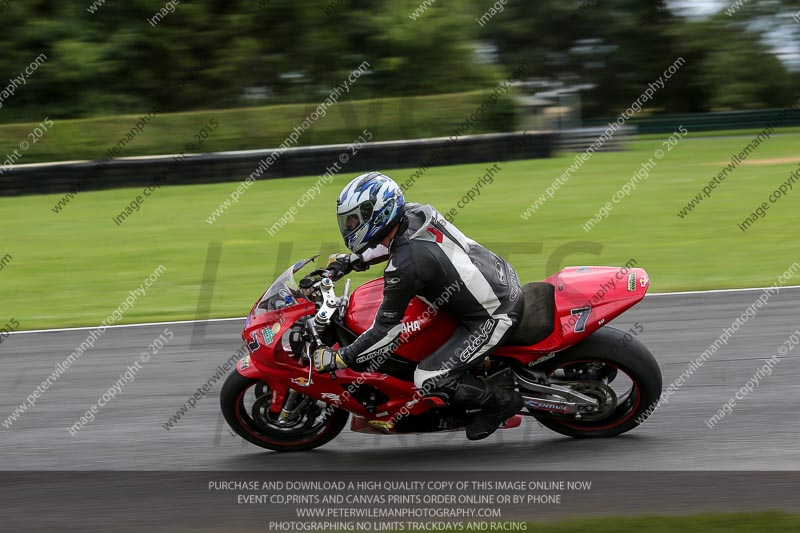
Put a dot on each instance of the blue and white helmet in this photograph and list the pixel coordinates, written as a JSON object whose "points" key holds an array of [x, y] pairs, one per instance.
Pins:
{"points": [[367, 210]]}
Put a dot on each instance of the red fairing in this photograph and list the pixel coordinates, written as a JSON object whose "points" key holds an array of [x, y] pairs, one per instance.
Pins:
{"points": [[603, 293], [587, 298], [424, 329], [263, 334]]}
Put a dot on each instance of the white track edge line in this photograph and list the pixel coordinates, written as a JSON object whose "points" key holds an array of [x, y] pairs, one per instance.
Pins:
{"points": [[85, 328], [712, 291]]}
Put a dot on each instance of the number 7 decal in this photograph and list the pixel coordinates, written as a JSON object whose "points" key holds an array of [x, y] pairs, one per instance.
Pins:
{"points": [[583, 315]]}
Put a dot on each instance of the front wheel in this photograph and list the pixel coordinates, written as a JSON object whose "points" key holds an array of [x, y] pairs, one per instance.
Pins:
{"points": [[618, 371], [245, 404]]}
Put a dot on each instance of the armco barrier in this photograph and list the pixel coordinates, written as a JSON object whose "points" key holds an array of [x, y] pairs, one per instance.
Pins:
{"points": [[236, 166], [579, 139]]}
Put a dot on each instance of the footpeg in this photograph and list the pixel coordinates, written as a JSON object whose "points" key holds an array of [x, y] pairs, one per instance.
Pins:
{"points": [[434, 400]]}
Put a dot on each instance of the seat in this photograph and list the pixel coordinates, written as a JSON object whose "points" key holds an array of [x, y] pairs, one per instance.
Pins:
{"points": [[538, 314]]}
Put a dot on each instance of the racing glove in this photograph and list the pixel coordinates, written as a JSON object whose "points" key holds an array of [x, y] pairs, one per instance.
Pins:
{"points": [[342, 264], [328, 360]]}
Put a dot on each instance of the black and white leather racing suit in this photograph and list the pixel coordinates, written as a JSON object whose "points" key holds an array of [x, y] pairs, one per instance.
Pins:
{"points": [[431, 259]]}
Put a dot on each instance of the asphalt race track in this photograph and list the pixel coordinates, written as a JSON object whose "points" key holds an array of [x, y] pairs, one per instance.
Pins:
{"points": [[762, 433], [125, 470]]}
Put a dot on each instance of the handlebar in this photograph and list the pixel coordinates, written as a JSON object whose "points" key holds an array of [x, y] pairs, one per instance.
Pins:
{"points": [[313, 278], [330, 303]]}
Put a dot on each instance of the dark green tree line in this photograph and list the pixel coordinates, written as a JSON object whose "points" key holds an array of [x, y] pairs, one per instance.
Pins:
{"points": [[113, 61]]}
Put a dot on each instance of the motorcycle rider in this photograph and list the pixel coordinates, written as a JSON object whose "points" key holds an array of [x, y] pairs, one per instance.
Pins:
{"points": [[425, 254]]}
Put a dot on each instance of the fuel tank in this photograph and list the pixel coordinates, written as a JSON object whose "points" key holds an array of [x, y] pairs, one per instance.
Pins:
{"points": [[424, 328]]}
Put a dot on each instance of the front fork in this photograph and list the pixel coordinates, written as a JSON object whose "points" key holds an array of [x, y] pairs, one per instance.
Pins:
{"points": [[291, 407]]}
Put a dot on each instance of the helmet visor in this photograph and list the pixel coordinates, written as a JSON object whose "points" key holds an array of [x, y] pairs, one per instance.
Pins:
{"points": [[353, 220]]}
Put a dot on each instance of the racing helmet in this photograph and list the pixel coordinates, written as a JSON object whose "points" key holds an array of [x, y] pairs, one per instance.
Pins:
{"points": [[367, 209]]}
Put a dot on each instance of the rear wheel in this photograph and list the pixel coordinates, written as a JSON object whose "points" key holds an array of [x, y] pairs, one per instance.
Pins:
{"points": [[618, 371], [245, 404]]}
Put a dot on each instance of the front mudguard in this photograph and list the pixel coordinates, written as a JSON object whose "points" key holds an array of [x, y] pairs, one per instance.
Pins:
{"points": [[279, 385]]}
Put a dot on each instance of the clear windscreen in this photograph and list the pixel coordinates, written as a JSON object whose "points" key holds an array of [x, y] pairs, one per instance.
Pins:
{"points": [[283, 292]]}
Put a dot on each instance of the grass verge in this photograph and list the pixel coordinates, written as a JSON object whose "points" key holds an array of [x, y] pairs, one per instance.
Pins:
{"points": [[74, 268], [702, 523]]}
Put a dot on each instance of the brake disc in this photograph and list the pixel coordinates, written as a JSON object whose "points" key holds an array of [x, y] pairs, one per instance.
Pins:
{"points": [[307, 413]]}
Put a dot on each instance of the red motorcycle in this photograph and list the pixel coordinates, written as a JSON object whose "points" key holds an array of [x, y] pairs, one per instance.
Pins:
{"points": [[576, 375]]}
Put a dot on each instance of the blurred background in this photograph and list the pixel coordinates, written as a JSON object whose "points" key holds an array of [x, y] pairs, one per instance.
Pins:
{"points": [[592, 57], [105, 81]]}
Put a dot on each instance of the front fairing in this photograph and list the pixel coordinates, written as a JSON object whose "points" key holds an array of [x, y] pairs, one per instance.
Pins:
{"points": [[271, 318], [271, 360]]}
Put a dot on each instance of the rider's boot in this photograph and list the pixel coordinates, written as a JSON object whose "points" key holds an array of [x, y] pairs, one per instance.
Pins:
{"points": [[497, 401], [497, 405]]}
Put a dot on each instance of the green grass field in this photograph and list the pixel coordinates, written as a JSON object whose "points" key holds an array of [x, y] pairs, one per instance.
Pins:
{"points": [[74, 268], [704, 523]]}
